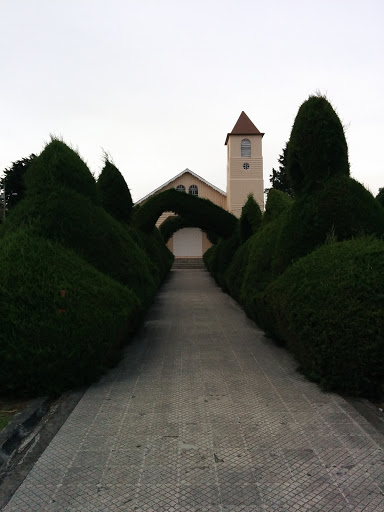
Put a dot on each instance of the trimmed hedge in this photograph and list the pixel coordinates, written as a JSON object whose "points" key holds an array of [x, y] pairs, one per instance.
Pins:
{"points": [[342, 209], [156, 250], [114, 193], [202, 212], [317, 149], [263, 247], [47, 342], [329, 310], [172, 224], [56, 165], [62, 215]]}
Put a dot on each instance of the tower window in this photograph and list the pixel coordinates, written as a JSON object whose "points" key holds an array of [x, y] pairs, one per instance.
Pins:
{"points": [[246, 166], [180, 188], [193, 190], [246, 148]]}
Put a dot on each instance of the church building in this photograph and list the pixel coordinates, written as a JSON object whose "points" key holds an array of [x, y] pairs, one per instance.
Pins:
{"points": [[244, 177]]}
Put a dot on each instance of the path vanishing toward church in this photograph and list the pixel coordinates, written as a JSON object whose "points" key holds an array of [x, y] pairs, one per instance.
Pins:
{"points": [[206, 414]]}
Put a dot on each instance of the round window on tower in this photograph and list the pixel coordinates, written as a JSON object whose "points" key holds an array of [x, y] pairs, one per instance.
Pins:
{"points": [[246, 166]]}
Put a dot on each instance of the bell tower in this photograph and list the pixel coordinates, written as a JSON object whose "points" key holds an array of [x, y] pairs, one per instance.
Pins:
{"points": [[244, 165]]}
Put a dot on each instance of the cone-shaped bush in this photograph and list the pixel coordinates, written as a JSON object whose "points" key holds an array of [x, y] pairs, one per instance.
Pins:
{"points": [[61, 319], [317, 149], [114, 193], [328, 308], [65, 216], [56, 165], [250, 219]]}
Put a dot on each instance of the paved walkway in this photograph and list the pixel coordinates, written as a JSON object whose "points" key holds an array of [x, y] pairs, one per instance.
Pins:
{"points": [[206, 414]]}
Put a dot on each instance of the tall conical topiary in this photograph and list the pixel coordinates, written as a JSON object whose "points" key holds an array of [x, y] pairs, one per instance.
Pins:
{"points": [[114, 193], [250, 219], [317, 149], [58, 164]]}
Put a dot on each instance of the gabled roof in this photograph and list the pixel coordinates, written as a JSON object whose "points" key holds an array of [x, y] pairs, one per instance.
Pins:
{"points": [[178, 176], [244, 126]]}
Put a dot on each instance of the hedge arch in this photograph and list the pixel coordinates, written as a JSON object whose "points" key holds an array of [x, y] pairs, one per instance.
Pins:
{"points": [[199, 212]]}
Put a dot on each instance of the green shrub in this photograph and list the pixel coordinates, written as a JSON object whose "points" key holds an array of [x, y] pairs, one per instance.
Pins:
{"points": [[329, 310], [342, 209], [202, 212], [317, 149], [114, 193], [156, 250], [56, 165], [262, 247], [250, 219], [48, 342], [277, 203], [221, 257], [236, 271], [65, 216]]}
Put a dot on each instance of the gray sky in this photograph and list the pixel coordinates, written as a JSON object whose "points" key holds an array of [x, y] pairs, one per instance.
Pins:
{"points": [[158, 84]]}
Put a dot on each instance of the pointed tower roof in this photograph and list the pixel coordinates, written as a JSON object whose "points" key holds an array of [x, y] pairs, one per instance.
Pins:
{"points": [[244, 126]]}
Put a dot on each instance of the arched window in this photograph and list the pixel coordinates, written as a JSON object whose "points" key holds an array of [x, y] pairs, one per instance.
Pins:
{"points": [[180, 188], [193, 190], [246, 148]]}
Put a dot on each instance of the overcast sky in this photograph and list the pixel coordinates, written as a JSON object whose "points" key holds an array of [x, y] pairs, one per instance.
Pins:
{"points": [[159, 83]]}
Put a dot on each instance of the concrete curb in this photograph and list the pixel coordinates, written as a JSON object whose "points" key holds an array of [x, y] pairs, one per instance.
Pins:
{"points": [[20, 427]]}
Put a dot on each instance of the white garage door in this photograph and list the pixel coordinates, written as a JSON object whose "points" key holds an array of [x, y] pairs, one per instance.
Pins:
{"points": [[188, 242]]}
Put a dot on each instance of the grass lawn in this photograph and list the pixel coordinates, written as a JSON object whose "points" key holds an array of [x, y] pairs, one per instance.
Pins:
{"points": [[8, 408]]}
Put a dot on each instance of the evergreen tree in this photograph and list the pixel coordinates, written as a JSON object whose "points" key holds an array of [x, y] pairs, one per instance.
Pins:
{"points": [[380, 196], [12, 182], [279, 178]]}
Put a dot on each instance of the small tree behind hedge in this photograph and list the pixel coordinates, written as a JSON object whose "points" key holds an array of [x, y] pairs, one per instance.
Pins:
{"points": [[317, 149], [114, 193], [13, 181], [380, 196]]}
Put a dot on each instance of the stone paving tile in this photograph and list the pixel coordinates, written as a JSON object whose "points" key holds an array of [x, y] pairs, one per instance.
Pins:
{"points": [[204, 413]]}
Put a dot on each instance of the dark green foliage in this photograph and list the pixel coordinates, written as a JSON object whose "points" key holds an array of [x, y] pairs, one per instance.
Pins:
{"points": [[219, 259], [202, 212], [277, 203], [250, 219], [156, 250], [60, 165], [114, 193], [173, 224], [280, 179], [342, 209], [70, 218], [13, 181], [260, 253], [48, 342], [329, 310], [380, 196], [317, 149], [236, 271]]}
